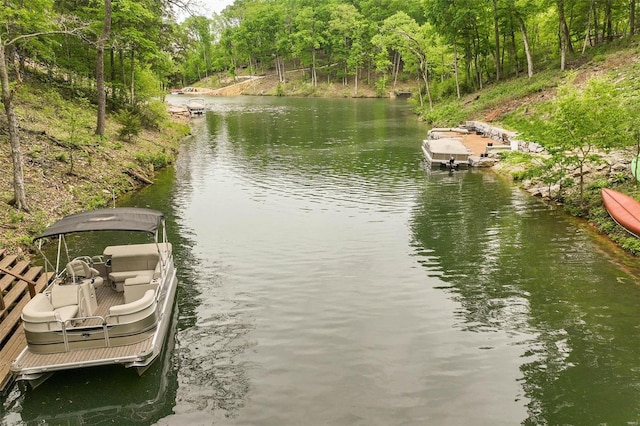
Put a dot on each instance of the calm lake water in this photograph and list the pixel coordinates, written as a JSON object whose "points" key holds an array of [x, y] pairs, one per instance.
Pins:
{"points": [[326, 278]]}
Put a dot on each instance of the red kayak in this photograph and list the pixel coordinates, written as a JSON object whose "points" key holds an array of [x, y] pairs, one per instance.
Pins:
{"points": [[623, 209]]}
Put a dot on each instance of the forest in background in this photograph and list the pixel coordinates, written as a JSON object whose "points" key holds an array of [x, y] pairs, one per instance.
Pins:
{"points": [[449, 47], [117, 58]]}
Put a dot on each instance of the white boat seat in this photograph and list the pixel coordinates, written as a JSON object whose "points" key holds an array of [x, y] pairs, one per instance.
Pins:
{"points": [[120, 280], [41, 315], [67, 312], [79, 270], [122, 276], [136, 287], [140, 261], [64, 295], [133, 311]]}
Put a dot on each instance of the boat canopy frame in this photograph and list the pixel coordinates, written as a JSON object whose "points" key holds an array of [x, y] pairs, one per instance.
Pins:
{"points": [[132, 219]]}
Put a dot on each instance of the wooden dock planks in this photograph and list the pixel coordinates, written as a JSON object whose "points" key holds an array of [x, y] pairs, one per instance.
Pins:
{"points": [[14, 295], [8, 353]]}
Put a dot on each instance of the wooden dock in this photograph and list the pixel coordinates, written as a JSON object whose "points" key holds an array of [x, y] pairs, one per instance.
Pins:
{"points": [[19, 281]]}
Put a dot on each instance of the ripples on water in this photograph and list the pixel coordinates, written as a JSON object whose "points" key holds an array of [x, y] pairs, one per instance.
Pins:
{"points": [[516, 266], [326, 278], [317, 310]]}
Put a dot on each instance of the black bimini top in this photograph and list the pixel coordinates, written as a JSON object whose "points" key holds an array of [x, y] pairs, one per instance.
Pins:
{"points": [[115, 219]]}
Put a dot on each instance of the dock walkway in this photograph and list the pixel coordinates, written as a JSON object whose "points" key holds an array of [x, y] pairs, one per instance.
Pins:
{"points": [[19, 281], [479, 144]]}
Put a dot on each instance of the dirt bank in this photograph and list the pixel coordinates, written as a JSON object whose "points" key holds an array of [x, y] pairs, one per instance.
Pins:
{"points": [[63, 177]]}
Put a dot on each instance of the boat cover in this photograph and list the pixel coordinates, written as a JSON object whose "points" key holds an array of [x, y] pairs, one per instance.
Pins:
{"points": [[114, 219], [447, 146]]}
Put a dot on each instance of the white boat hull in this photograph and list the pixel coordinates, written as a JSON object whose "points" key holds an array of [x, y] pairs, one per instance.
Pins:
{"points": [[119, 315], [446, 153]]}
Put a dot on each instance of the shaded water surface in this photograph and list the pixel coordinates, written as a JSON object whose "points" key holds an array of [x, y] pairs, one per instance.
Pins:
{"points": [[326, 278]]}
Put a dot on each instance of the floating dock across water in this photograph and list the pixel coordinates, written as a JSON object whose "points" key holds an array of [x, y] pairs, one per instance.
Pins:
{"points": [[468, 146], [196, 106]]}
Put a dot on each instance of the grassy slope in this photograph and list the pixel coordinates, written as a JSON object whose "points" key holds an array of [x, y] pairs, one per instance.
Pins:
{"points": [[60, 180]]}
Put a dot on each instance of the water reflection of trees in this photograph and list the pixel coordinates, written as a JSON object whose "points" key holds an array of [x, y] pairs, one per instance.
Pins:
{"points": [[301, 136], [517, 266]]}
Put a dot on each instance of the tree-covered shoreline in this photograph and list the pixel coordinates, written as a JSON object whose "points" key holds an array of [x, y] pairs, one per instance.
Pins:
{"points": [[498, 61]]}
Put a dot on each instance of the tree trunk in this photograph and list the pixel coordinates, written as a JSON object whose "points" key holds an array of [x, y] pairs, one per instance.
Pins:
{"points": [[204, 58], [476, 56], [527, 48], [396, 68], [425, 77], [455, 68], [112, 65], [514, 51], [20, 194], [314, 75], [102, 101], [420, 93], [587, 33], [123, 89], [496, 34], [596, 24], [133, 75], [608, 27], [356, 83], [280, 69], [632, 17], [564, 36]]}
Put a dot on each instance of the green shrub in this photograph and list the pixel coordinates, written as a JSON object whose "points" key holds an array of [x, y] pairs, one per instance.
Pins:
{"points": [[381, 87], [159, 160], [131, 125], [606, 226], [16, 216], [25, 241], [153, 115], [598, 184], [444, 90], [516, 157], [619, 178], [520, 175], [443, 115], [630, 244]]}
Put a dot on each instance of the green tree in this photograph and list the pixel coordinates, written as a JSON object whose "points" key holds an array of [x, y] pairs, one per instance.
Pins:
{"points": [[138, 31], [308, 38], [197, 30], [414, 42], [584, 124], [102, 98], [345, 33], [22, 25], [458, 22]]}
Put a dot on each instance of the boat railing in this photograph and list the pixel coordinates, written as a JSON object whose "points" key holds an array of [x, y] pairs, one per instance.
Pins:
{"points": [[65, 339], [62, 327], [101, 322], [66, 329]]}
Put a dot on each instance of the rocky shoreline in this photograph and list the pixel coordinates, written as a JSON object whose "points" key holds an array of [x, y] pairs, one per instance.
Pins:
{"points": [[614, 162]]}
